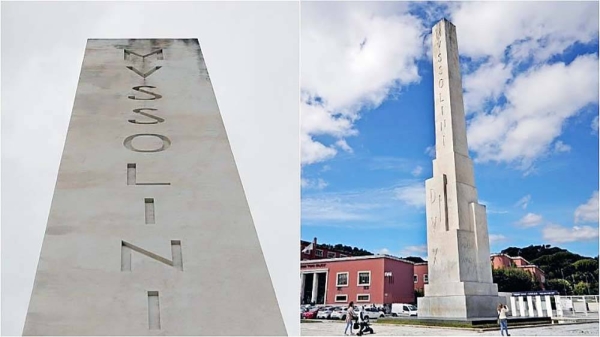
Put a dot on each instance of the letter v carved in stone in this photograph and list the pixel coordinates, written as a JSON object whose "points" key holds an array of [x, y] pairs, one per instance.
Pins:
{"points": [[146, 74]]}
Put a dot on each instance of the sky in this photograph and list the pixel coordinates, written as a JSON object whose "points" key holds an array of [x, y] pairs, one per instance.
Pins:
{"points": [[252, 56], [530, 85]]}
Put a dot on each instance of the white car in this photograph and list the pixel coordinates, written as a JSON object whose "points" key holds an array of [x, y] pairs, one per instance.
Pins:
{"points": [[325, 313], [370, 313], [403, 309], [339, 313]]}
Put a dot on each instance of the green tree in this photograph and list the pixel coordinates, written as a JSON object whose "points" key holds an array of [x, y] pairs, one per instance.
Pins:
{"points": [[414, 259], [581, 288], [560, 285], [513, 279]]}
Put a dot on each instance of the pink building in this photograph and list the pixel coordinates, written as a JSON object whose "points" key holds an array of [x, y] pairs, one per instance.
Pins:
{"points": [[314, 251], [505, 261], [375, 279], [420, 276]]}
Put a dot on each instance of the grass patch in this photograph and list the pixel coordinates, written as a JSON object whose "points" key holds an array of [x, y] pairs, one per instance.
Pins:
{"points": [[449, 324], [309, 321]]}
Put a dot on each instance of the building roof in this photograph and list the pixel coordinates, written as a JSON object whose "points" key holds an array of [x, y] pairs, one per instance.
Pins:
{"points": [[353, 258]]}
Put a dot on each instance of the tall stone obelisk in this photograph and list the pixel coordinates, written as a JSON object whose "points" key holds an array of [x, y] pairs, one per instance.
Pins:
{"points": [[460, 276], [149, 231]]}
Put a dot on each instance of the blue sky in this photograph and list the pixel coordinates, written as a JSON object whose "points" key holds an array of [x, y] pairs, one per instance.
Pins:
{"points": [[530, 80]]}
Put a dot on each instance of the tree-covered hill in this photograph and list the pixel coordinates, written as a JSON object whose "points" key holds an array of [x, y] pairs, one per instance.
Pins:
{"points": [[565, 271]]}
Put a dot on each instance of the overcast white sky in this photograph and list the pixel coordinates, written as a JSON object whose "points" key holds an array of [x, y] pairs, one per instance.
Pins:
{"points": [[252, 54]]}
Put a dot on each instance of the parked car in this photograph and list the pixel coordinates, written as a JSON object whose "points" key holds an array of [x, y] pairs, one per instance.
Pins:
{"points": [[338, 313], [374, 313], [310, 313], [325, 313], [403, 309]]}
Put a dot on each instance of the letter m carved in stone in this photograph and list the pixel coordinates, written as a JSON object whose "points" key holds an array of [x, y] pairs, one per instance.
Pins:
{"points": [[128, 54]]}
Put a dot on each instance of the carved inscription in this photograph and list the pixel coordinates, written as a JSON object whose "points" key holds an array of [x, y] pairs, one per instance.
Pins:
{"points": [[153, 311], [132, 176], [127, 249], [128, 54], [439, 65], [139, 88], [146, 74], [128, 142], [149, 203], [432, 198], [156, 119]]}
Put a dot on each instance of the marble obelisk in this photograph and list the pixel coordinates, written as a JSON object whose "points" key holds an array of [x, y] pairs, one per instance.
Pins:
{"points": [[149, 231], [460, 276]]}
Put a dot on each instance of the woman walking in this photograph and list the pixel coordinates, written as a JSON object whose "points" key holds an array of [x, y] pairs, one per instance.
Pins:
{"points": [[349, 318], [502, 310]]}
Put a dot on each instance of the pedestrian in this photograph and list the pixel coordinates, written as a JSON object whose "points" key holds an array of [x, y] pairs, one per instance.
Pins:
{"points": [[349, 318], [361, 320], [502, 310]]}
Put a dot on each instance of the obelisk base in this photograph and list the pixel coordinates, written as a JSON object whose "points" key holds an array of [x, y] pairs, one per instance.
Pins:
{"points": [[458, 307]]}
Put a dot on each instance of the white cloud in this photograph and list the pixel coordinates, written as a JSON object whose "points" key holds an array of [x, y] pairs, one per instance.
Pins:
{"points": [[560, 234], [530, 220], [341, 143], [417, 171], [594, 125], [383, 251], [353, 56], [315, 184], [412, 195], [559, 146], [523, 130], [494, 238], [525, 29], [326, 208], [487, 83], [524, 202], [588, 212], [313, 151], [518, 115], [430, 151], [420, 251]]}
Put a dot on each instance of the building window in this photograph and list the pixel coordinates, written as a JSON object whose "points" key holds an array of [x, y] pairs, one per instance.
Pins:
{"points": [[341, 298], [425, 278], [319, 252], [364, 278], [363, 298], [416, 278], [330, 254], [342, 279]]}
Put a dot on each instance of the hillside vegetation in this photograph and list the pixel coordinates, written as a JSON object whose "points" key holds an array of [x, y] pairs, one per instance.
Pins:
{"points": [[566, 272]]}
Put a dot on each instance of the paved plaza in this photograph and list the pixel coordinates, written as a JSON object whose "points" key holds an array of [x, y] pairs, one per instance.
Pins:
{"points": [[328, 328]]}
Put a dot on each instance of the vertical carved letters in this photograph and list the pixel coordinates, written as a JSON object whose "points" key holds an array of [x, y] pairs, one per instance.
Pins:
{"points": [[146, 74], [132, 176], [175, 262], [432, 198], [153, 311], [139, 111], [139, 88], [128, 54], [166, 142], [149, 212]]}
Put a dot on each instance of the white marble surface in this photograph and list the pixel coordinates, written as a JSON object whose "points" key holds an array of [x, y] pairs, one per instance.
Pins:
{"points": [[460, 276], [80, 288]]}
